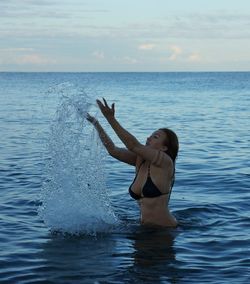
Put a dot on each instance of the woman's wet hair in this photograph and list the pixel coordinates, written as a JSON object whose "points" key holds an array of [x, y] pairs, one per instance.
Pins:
{"points": [[171, 142], [173, 147]]}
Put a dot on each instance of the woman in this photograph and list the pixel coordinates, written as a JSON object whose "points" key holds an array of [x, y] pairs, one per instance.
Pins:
{"points": [[154, 163]]}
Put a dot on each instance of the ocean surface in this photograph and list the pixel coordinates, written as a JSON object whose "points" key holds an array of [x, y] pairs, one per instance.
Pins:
{"points": [[65, 212]]}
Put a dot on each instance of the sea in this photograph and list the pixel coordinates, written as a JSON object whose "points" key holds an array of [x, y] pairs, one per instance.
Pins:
{"points": [[65, 212]]}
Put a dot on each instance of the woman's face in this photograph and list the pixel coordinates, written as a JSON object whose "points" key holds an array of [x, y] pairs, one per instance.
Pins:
{"points": [[157, 140]]}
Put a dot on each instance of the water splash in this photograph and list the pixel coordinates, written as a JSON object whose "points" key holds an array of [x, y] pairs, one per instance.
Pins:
{"points": [[74, 197]]}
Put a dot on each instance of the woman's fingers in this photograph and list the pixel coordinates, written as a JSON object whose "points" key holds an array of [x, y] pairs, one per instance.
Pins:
{"points": [[105, 102], [89, 117], [105, 109], [100, 104]]}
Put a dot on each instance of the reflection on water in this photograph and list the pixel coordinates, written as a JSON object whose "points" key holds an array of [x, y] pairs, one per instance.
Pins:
{"points": [[148, 243], [155, 256], [78, 259], [143, 255]]}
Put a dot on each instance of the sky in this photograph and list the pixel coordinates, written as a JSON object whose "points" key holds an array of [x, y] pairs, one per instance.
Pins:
{"points": [[124, 35]]}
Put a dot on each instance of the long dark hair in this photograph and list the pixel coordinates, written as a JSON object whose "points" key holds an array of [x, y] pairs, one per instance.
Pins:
{"points": [[172, 143]]}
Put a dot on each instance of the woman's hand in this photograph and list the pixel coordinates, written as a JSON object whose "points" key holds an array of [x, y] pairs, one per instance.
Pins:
{"points": [[91, 119], [108, 112]]}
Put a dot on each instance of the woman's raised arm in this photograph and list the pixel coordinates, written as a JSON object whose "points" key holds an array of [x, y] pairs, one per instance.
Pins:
{"points": [[157, 157], [120, 154]]}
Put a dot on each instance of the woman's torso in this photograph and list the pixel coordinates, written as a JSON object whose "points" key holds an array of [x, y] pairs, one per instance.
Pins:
{"points": [[153, 204], [155, 212]]}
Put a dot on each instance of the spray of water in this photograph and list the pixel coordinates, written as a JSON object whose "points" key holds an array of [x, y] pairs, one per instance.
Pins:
{"points": [[74, 197]]}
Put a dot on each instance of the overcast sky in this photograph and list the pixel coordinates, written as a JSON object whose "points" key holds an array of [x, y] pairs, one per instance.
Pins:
{"points": [[124, 35]]}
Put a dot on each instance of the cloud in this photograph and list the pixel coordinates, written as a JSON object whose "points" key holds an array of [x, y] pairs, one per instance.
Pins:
{"points": [[194, 57], [211, 25], [176, 51], [36, 9], [34, 59], [16, 49], [129, 60], [64, 19], [98, 54], [146, 46], [23, 55], [125, 60], [19, 56]]}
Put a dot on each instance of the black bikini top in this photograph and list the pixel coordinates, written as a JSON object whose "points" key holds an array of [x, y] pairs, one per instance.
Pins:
{"points": [[149, 190]]}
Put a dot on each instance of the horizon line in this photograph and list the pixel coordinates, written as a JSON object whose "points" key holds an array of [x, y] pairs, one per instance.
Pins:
{"points": [[211, 71]]}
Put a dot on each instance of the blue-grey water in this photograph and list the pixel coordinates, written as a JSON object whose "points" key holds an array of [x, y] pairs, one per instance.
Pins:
{"points": [[65, 213]]}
